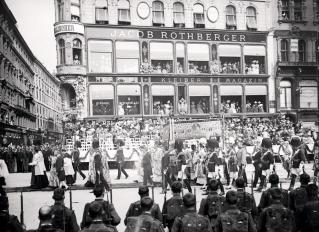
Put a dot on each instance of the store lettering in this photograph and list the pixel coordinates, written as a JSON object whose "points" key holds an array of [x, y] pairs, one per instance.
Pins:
{"points": [[244, 80], [180, 79], [63, 28]]}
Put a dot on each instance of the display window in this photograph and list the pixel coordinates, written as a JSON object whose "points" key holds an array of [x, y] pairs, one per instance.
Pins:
{"points": [[180, 58], [100, 56], [198, 58], [199, 98], [256, 96], [129, 99], [102, 99], [163, 99], [161, 57], [127, 57], [229, 56], [231, 99], [285, 94], [308, 94], [254, 59]]}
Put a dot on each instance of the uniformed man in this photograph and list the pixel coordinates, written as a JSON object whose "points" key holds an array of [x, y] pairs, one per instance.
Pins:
{"points": [[173, 207], [241, 159], [234, 219], [63, 218], [109, 214], [136, 210], [144, 222], [191, 221], [310, 213], [8, 222], [76, 160], [276, 217]]}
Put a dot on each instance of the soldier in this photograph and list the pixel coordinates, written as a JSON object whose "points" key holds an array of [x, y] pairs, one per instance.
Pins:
{"points": [[265, 199], [45, 217], [310, 213], [316, 162], [173, 207], [120, 160], [144, 222], [136, 210], [276, 217], [8, 222], [95, 211], [191, 221], [63, 218], [109, 215], [298, 198], [213, 205], [246, 202], [298, 157], [267, 162], [241, 159], [231, 164], [234, 219], [76, 160]]}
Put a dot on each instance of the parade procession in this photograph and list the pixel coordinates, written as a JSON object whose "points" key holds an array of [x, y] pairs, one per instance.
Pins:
{"points": [[159, 116]]}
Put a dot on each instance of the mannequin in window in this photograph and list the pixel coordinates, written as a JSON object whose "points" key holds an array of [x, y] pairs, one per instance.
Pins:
{"points": [[193, 108], [120, 109], [260, 107], [182, 106], [76, 60], [167, 108], [232, 109], [255, 107], [199, 108]]}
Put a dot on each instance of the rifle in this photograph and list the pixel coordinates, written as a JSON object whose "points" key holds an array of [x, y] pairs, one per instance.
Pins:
{"points": [[165, 214], [252, 183], [70, 194], [153, 192], [21, 206]]}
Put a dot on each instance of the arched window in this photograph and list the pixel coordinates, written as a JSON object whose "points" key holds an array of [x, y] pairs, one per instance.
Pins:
{"points": [[75, 10], [231, 22], [124, 12], [62, 51], [284, 50], [77, 52], [317, 51], [158, 13], [298, 14], [251, 19], [60, 10], [302, 50], [285, 9], [199, 18], [101, 13], [285, 94], [179, 18]]}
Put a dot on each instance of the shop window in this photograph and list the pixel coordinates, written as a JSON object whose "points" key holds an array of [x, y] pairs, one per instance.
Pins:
{"points": [[317, 51], [75, 10], [199, 17], [77, 52], [163, 99], [182, 106], [256, 96], [100, 56], [60, 10], [251, 19], [127, 57], [62, 51], [129, 99], [298, 10], [179, 18], [161, 57], [124, 12], [198, 58], [180, 58], [284, 50], [254, 59], [199, 98], [101, 12], [231, 99], [285, 94], [158, 13], [302, 50], [308, 94], [102, 99], [229, 56], [231, 22]]}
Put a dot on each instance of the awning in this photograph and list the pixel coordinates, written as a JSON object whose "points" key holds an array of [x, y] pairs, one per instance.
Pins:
{"points": [[198, 52], [123, 4], [229, 50], [127, 49], [161, 51], [129, 90], [199, 90], [180, 50], [100, 46], [101, 91], [254, 51], [100, 3], [231, 90], [256, 90], [163, 90]]}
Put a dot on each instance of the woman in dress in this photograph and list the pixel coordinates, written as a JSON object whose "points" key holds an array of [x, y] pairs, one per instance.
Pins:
{"points": [[68, 168], [53, 179], [40, 177], [59, 165], [157, 155]]}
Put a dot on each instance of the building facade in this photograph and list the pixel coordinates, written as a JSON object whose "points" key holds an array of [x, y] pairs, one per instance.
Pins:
{"points": [[295, 40], [140, 58], [48, 102]]}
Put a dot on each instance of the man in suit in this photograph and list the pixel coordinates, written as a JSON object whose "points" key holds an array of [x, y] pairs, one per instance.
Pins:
{"points": [[120, 160]]}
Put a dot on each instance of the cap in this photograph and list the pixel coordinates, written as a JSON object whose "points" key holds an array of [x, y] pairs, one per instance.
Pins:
{"points": [[98, 190], [295, 141], [304, 178], [189, 200], [58, 194], [212, 143], [142, 190], [177, 187], [266, 143], [231, 197], [273, 179]]}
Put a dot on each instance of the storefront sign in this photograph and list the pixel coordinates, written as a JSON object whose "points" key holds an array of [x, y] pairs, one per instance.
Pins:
{"points": [[226, 80], [294, 45], [170, 34], [102, 107], [68, 27]]}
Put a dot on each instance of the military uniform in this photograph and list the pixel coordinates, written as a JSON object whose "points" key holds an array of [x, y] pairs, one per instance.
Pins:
{"points": [[172, 206], [145, 222], [246, 203], [64, 218], [297, 200], [310, 216], [266, 201], [191, 221]]}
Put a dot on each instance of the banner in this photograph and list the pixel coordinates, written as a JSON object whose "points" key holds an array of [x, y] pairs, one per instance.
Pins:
{"points": [[294, 45]]}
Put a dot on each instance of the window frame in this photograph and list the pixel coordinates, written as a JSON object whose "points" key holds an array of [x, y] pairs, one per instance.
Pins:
{"points": [[284, 89], [302, 45], [62, 51], [251, 18], [77, 5], [121, 58], [77, 48], [181, 13], [284, 52], [122, 7], [89, 55], [199, 15], [309, 86], [231, 14], [158, 11]]}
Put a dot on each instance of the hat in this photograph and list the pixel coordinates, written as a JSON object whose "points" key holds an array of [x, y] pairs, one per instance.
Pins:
{"points": [[142, 190], [266, 143], [295, 141], [203, 141], [177, 187], [98, 190], [189, 200], [58, 194], [212, 143], [4, 202], [37, 142]]}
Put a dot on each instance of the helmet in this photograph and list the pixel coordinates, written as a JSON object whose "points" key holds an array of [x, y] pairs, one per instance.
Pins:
{"points": [[266, 143], [295, 141]]}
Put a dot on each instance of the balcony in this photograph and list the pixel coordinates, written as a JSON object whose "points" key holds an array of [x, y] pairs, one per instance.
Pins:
{"points": [[71, 70]]}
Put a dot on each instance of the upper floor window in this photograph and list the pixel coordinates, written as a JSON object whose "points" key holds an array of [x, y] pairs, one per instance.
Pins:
{"points": [[199, 18], [284, 50], [62, 51], [302, 50], [298, 10], [231, 22], [316, 10], [317, 51], [127, 56], [100, 56], [101, 13], [285, 11], [75, 10], [60, 10], [251, 19], [179, 18], [124, 12], [77, 52], [158, 13]]}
